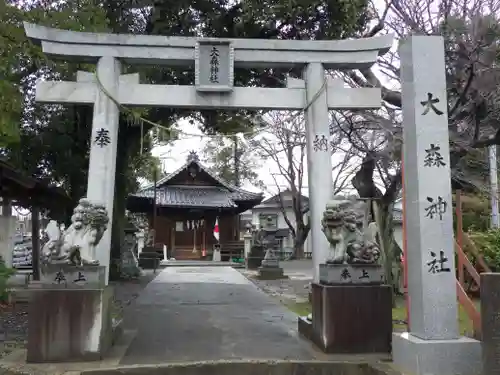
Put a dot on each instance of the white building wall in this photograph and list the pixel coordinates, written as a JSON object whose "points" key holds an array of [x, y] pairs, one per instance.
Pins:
{"points": [[256, 213], [282, 224], [288, 242]]}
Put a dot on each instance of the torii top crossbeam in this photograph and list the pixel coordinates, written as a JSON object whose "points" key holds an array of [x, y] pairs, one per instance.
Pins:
{"points": [[214, 61], [180, 51]]}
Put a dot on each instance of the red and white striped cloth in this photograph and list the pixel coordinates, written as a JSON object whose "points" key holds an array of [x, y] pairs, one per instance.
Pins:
{"points": [[216, 229]]}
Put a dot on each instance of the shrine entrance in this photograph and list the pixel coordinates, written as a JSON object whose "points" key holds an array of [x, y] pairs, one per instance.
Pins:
{"points": [[190, 233], [424, 101], [214, 61], [185, 237], [188, 203]]}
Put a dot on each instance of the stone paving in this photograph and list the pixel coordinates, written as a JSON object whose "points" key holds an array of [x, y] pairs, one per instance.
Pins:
{"points": [[210, 313], [204, 316]]}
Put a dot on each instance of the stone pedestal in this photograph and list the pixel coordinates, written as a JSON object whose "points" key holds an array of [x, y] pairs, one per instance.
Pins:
{"points": [[271, 273], [344, 274], [247, 241], [490, 322], [65, 276], [350, 318], [216, 255], [413, 355], [140, 242], [70, 315], [270, 268], [254, 259], [305, 327]]}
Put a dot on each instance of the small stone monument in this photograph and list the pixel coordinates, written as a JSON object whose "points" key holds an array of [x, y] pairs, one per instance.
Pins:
{"points": [[129, 265], [257, 250], [216, 256], [247, 242], [352, 309], [270, 268], [70, 316], [140, 241]]}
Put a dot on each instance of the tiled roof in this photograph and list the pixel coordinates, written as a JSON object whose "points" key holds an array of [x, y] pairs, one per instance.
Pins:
{"points": [[221, 196], [196, 196], [193, 159]]}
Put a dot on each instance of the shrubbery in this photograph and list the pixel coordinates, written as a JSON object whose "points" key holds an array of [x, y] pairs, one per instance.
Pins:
{"points": [[488, 243], [475, 213], [5, 273]]}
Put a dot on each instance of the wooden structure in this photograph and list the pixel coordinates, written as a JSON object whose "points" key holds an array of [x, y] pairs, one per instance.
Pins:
{"points": [[20, 190], [468, 279], [188, 202], [27, 191], [468, 275]]}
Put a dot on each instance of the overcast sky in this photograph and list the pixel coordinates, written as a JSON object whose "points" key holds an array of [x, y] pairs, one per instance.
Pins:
{"points": [[174, 156]]}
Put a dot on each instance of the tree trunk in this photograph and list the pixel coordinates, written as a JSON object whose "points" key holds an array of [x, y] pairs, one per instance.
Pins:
{"points": [[77, 179], [298, 247], [385, 233], [381, 210], [120, 201], [299, 240]]}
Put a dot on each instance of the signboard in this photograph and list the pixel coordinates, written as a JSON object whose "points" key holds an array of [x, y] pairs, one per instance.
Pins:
{"points": [[214, 66]]}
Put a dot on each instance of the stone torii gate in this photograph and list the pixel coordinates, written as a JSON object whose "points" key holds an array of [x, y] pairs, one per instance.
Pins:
{"points": [[430, 253], [214, 61]]}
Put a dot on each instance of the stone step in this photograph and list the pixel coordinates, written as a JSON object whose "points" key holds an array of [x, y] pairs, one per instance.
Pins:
{"points": [[350, 365], [199, 263]]}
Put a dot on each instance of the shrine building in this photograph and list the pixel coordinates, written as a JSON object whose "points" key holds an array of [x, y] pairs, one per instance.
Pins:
{"points": [[188, 202]]}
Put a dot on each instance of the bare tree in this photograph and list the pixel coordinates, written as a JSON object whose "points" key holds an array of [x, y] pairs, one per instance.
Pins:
{"points": [[284, 145], [379, 177], [470, 29]]}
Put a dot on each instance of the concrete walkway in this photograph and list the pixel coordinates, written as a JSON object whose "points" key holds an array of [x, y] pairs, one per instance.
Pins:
{"points": [[210, 313]]}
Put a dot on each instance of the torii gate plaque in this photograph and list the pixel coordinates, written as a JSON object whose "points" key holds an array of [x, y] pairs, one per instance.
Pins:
{"points": [[214, 66]]}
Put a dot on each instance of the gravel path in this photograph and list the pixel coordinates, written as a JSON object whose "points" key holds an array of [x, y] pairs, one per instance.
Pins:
{"points": [[295, 288], [14, 318]]}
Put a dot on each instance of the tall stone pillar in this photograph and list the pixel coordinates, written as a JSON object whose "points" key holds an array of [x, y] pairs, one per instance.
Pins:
{"points": [[7, 232], [319, 160], [140, 241], [104, 141], [433, 345], [247, 243]]}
